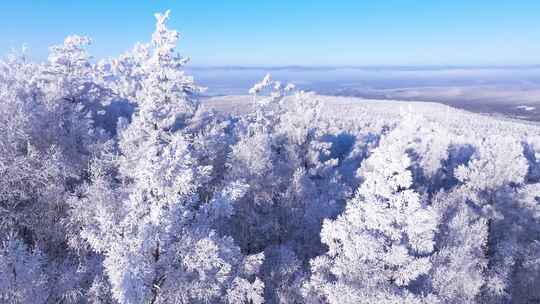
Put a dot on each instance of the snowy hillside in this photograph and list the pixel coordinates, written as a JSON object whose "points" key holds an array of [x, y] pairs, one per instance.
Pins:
{"points": [[119, 185], [353, 110]]}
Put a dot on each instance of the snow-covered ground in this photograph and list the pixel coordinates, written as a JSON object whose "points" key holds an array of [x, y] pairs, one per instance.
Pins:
{"points": [[352, 109], [526, 108]]}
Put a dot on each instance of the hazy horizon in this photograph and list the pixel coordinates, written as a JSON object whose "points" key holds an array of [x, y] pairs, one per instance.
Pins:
{"points": [[511, 91]]}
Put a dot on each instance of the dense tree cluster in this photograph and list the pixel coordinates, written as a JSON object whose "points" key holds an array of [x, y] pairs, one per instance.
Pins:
{"points": [[118, 186]]}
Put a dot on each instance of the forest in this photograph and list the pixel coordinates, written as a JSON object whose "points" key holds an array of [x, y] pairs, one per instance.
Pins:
{"points": [[118, 184]]}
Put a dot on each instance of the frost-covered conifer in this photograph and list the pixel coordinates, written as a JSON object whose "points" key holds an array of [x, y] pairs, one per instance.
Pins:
{"points": [[460, 260], [293, 180], [378, 248], [22, 275], [48, 133], [158, 247]]}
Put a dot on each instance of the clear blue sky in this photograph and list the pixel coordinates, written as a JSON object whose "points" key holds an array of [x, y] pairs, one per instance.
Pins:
{"points": [[285, 32]]}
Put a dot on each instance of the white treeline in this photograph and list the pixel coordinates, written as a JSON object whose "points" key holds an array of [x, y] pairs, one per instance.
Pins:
{"points": [[118, 186]]}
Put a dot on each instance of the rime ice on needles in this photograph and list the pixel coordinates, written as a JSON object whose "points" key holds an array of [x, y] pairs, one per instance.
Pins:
{"points": [[381, 243]]}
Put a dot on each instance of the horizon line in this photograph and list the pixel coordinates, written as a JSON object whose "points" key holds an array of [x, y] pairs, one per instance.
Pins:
{"points": [[404, 67]]}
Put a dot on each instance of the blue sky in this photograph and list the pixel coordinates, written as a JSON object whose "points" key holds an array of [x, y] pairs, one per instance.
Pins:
{"points": [[299, 32]]}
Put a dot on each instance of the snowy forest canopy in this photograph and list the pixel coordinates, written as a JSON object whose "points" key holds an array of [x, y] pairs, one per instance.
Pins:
{"points": [[118, 186]]}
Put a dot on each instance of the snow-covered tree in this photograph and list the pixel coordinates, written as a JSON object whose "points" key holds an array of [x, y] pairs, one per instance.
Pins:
{"points": [[379, 247], [22, 279], [490, 178], [48, 134], [460, 260], [157, 245]]}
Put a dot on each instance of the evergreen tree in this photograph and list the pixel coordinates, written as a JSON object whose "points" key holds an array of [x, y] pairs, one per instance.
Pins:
{"points": [[379, 247]]}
